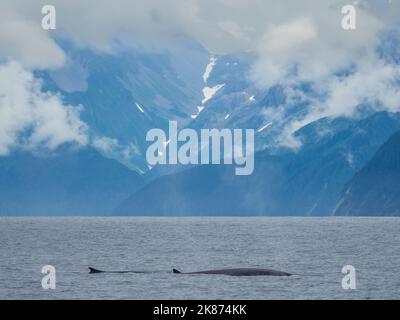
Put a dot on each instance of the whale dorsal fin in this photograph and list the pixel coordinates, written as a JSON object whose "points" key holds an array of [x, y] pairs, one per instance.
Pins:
{"points": [[176, 271], [93, 270]]}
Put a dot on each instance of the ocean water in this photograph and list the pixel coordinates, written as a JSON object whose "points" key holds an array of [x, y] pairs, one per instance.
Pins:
{"points": [[314, 249]]}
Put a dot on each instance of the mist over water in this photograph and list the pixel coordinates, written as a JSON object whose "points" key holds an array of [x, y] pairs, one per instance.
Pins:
{"points": [[315, 249]]}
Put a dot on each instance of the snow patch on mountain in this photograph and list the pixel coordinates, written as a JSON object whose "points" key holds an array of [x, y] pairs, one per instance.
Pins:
{"points": [[139, 107], [209, 68], [210, 92], [264, 127]]}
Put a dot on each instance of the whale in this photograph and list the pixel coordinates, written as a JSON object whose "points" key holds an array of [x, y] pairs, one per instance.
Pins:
{"points": [[239, 272], [94, 270]]}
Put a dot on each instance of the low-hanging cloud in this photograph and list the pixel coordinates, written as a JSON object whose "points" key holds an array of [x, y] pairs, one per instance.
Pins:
{"points": [[314, 46], [286, 34], [220, 25], [373, 87], [32, 119], [22, 39]]}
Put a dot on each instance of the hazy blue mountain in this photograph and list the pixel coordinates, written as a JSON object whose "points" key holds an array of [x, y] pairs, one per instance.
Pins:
{"points": [[375, 189], [311, 179], [130, 91], [68, 182], [307, 182]]}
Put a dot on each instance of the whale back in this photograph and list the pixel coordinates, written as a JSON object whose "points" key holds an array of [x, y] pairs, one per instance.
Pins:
{"points": [[240, 272]]}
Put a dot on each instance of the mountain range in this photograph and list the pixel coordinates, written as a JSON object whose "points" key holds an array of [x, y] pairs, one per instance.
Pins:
{"points": [[134, 89], [66, 182], [307, 182]]}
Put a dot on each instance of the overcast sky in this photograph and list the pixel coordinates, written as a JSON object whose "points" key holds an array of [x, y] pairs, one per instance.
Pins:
{"points": [[220, 25]]}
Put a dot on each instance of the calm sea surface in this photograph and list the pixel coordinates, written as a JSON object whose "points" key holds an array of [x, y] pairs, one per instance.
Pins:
{"points": [[315, 249]]}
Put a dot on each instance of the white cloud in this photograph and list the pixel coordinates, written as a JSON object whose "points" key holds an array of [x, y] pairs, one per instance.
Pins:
{"points": [[373, 86], [112, 147], [306, 34], [220, 25], [105, 144], [32, 119], [314, 46], [288, 36], [24, 40]]}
